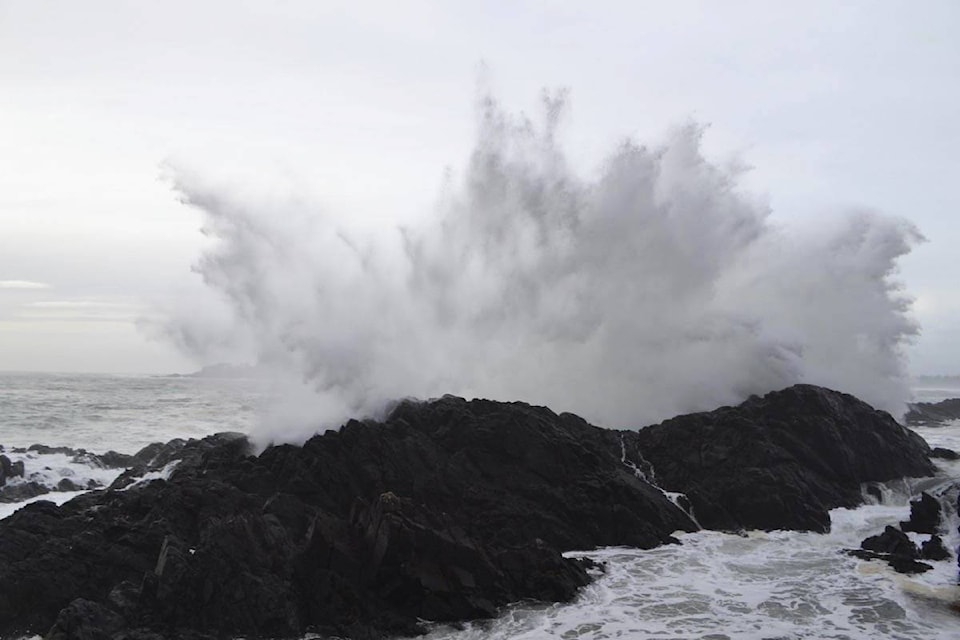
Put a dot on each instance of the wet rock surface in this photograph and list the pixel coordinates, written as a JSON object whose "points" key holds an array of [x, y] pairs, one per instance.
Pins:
{"points": [[445, 511], [895, 547], [781, 461], [944, 454], [931, 414], [924, 515]]}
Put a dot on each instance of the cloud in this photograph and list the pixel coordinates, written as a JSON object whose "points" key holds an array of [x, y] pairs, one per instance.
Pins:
{"points": [[23, 284], [78, 311]]}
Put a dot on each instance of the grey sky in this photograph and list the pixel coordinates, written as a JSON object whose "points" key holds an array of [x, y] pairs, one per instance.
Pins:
{"points": [[363, 105]]}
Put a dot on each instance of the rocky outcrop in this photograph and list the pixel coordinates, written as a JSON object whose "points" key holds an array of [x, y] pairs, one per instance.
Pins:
{"points": [[898, 550], [9, 469], [446, 511], [781, 461], [894, 547], [924, 515], [932, 414], [944, 454], [934, 549], [19, 483]]}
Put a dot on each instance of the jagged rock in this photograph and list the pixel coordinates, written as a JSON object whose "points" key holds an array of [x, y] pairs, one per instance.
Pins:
{"points": [[108, 460], [22, 491], [447, 509], [149, 453], [47, 450], [484, 498], [933, 413], [934, 549], [892, 541], [66, 484], [430, 562], [924, 515], [944, 454], [114, 460], [900, 564], [85, 620], [781, 461], [9, 469], [156, 456], [895, 548]]}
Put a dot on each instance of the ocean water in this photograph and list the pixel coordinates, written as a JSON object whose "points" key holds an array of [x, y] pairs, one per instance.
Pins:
{"points": [[713, 586], [122, 412]]}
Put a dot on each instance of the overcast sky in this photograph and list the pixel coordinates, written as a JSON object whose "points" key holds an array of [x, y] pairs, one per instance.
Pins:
{"points": [[363, 105]]}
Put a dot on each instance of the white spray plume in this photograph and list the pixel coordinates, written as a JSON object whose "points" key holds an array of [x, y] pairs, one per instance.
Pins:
{"points": [[657, 289]]}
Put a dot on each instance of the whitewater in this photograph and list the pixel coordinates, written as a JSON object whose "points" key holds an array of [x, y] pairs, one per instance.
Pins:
{"points": [[776, 585], [650, 286]]}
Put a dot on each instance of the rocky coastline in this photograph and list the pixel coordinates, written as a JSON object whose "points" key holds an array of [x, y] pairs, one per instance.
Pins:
{"points": [[445, 511]]}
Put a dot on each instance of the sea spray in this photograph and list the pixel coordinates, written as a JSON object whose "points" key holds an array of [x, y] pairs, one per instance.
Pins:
{"points": [[653, 288]]}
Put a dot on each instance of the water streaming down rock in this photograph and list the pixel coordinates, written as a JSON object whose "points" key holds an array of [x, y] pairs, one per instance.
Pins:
{"points": [[655, 287]]}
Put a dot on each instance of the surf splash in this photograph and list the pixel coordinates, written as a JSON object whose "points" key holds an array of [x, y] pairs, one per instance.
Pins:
{"points": [[652, 288]]}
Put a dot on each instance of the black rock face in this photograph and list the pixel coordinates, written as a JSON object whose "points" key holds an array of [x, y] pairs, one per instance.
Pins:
{"points": [[447, 510], [895, 548], [924, 515], [944, 454], [933, 413], [781, 461], [9, 469], [934, 549], [892, 541]]}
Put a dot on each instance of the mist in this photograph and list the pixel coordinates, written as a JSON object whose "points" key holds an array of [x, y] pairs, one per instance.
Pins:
{"points": [[650, 287]]}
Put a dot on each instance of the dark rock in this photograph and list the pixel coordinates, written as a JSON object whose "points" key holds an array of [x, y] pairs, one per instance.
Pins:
{"points": [[924, 515], [891, 541], [874, 491], [900, 564], [934, 549], [22, 491], [47, 450], [114, 460], [781, 461], [155, 457], [4, 469], [933, 414], [85, 620], [9, 469], [150, 452], [896, 549], [446, 510], [66, 484], [944, 454]]}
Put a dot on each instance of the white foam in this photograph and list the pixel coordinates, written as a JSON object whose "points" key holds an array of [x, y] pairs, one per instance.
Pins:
{"points": [[763, 585], [150, 476], [48, 469]]}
